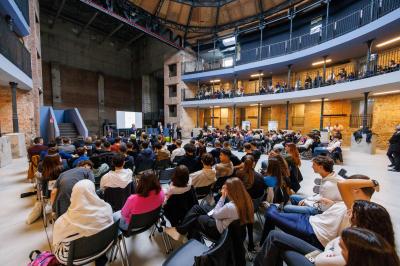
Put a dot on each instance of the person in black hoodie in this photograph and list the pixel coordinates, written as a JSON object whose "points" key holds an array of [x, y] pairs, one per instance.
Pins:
{"points": [[189, 159], [394, 151]]}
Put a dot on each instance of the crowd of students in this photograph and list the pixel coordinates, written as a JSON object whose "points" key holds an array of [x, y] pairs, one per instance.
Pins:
{"points": [[339, 225]]}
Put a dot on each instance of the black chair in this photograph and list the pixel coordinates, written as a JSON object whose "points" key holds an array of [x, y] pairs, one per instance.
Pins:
{"points": [[194, 252], [163, 164], [220, 182], [88, 249], [144, 165], [142, 222], [178, 205], [117, 197], [203, 192], [165, 175], [177, 159]]}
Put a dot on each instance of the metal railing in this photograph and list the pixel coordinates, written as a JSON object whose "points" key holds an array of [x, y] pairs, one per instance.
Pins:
{"points": [[356, 121], [316, 83], [14, 50], [23, 5], [341, 26]]}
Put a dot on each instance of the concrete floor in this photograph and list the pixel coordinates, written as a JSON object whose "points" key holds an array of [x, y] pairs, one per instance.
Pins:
{"points": [[17, 238]]}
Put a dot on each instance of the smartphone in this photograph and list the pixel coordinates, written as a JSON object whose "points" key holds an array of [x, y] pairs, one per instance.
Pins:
{"points": [[312, 255]]}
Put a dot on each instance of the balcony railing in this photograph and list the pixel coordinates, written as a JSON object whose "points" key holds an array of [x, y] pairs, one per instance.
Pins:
{"points": [[356, 121], [207, 94], [348, 23], [14, 50], [23, 5]]}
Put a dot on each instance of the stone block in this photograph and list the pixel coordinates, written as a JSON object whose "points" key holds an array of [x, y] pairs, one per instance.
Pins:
{"points": [[363, 146], [18, 147], [5, 151]]}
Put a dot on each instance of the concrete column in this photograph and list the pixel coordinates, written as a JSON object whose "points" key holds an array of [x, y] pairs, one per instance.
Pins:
{"points": [[258, 115], [212, 117], [56, 83], [259, 80], [234, 115], [321, 118], [100, 100], [288, 77], [13, 86], [369, 51], [287, 115], [197, 117], [365, 116], [324, 70]]}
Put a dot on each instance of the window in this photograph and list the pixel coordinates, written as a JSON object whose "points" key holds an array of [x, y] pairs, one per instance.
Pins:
{"points": [[172, 110], [172, 70], [227, 62], [172, 90]]}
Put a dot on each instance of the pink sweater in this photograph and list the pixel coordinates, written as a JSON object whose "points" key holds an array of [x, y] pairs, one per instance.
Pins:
{"points": [[136, 204]]}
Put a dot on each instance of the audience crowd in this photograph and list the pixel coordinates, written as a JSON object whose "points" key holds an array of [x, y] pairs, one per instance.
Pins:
{"points": [[93, 183]]}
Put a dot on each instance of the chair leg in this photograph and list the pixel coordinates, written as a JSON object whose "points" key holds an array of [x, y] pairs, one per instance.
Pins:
{"points": [[125, 250], [120, 253], [111, 259], [165, 243], [260, 219], [152, 232], [171, 248]]}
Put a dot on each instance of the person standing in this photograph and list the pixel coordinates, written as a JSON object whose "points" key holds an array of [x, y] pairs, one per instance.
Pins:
{"points": [[394, 151]]}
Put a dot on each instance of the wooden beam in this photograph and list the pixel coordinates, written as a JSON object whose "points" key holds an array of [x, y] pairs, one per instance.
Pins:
{"points": [[159, 6], [88, 23]]}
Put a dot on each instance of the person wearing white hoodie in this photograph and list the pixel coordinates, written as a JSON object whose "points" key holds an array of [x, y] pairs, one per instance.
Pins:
{"points": [[118, 178]]}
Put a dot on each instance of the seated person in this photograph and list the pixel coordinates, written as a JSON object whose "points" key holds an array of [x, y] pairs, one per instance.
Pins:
{"points": [[225, 167], [319, 229], [364, 215], [307, 144], [117, 143], [217, 149], [212, 222], [86, 216], [161, 153], [179, 151], [145, 158], [82, 156], [118, 178], [252, 180], [149, 196], [67, 146], [275, 180], [234, 159], [255, 151], [97, 147], [334, 144], [189, 159], [36, 148], [61, 193], [129, 161], [323, 166], [205, 176], [171, 147], [52, 167], [179, 197]]}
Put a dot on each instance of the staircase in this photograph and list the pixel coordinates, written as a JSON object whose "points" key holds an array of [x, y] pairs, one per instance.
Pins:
{"points": [[68, 130]]}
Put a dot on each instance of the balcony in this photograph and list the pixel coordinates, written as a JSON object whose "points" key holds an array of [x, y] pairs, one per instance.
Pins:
{"points": [[341, 26], [376, 81], [15, 51]]}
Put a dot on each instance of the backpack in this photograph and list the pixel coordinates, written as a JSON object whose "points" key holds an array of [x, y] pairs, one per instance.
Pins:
{"points": [[45, 258]]}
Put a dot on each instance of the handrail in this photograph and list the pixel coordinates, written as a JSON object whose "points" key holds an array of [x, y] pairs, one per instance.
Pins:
{"points": [[73, 116], [334, 29]]}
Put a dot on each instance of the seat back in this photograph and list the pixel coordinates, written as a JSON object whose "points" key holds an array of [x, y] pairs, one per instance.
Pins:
{"points": [[87, 249], [202, 192], [117, 197], [141, 222], [161, 165], [178, 205], [144, 165], [165, 175], [177, 159], [219, 255], [220, 182], [257, 202]]}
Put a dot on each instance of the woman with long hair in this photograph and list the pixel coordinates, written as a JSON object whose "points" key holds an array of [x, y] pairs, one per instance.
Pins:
{"points": [[293, 160], [293, 153], [149, 196], [276, 181], [51, 168], [281, 246], [252, 180], [212, 222], [364, 247]]}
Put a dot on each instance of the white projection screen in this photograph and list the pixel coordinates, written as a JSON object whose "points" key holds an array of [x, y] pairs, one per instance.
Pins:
{"points": [[126, 119]]}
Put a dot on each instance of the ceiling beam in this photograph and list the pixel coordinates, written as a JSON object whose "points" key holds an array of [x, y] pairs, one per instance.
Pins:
{"points": [[88, 23], [159, 6], [58, 13], [131, 41], [187, 23], [112, 33]]}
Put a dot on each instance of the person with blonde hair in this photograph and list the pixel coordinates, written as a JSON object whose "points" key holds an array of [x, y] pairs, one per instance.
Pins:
{"points": [[212, 222]]}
